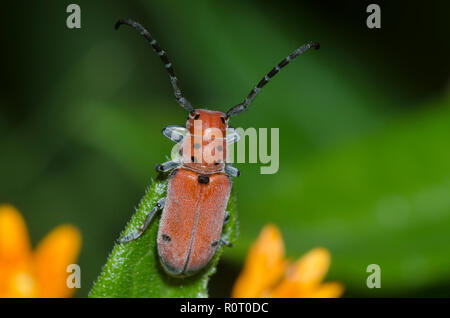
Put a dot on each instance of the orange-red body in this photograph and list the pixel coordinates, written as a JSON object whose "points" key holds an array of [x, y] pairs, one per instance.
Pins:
{"points": [[192, 219]]}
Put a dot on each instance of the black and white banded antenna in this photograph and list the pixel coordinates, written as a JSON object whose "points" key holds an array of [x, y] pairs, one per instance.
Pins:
{"points": [[242, 107], [162, 54]]}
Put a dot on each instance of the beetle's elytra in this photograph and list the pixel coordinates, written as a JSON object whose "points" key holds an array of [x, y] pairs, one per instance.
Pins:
{"points": [[194, 209]]}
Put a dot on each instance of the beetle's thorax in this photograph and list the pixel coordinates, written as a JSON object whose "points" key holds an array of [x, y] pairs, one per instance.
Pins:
{"points": [[204, 151]]}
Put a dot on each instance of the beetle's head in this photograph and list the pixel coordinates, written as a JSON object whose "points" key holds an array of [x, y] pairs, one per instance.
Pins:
{"points": [[207, 119]]}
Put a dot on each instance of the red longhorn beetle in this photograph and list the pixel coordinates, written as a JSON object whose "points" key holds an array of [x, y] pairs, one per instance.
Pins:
{"points": [[193, 211]]}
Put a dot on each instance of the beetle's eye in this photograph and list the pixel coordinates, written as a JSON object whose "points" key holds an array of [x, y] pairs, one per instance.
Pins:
{"points": [[193, 115]]}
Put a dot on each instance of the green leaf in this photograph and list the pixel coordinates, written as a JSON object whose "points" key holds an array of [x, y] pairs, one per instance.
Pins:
{"points": [[134, 270]]}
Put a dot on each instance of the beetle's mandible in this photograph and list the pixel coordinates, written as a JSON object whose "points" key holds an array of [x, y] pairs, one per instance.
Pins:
{"points": [[194, 209]]}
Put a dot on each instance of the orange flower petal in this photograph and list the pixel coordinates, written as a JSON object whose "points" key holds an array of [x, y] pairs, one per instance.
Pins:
{"points": [[54, 253], [264, 265], [17, 281], [304, 275], [14, 241], [327, 290], [287, 289], [311, 268]]}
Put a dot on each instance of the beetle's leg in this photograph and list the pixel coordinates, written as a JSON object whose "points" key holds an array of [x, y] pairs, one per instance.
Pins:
{"points": [[226, 218], [134, 235], [175, 133], [232, 136], [223, 242], [232, 171], [166, 166]]}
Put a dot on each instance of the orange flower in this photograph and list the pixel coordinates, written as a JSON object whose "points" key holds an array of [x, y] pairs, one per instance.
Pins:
{"points": [[267, 273], [42, 273]]}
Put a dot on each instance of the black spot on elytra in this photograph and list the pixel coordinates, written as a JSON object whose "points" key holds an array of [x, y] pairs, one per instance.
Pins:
{"points": [[203, 179], [193, 159], [214, 244], [223, 119], [166, 238]]}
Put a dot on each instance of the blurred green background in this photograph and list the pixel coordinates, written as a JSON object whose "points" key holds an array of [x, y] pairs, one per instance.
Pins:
{"points": [[364, 126]]}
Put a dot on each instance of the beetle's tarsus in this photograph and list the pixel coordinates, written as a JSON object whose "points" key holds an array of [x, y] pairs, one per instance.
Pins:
{"points": [[167, 166], [232, 171], [175, 133], [226, 219], [223, 242], [131, 237], [135, 235]]}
